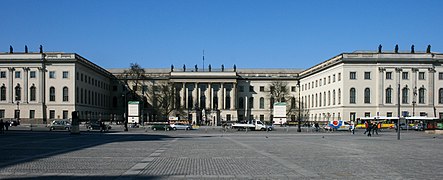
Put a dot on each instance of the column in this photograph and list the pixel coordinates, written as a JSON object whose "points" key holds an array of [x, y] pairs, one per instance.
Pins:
{"points": [[381, 88], [233, 96], [25, 85], [11, 84], [208, 96], [194, 95], [183, 95], [223, 96], [220, 96], [186, 96]]}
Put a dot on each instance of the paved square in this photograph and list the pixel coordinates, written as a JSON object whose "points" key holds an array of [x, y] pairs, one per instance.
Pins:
{"points": [[214, 154]]}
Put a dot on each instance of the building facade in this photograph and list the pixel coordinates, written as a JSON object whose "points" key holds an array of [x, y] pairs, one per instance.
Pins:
{"points": [[41, 86]]}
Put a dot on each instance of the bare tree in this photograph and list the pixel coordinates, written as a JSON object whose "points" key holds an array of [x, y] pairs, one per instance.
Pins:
{"points": [[163, 97], [135, 74], [279, 91]]}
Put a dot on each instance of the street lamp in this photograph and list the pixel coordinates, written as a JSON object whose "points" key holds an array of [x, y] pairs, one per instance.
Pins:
{"points": [[398, 70], [299, 107]]}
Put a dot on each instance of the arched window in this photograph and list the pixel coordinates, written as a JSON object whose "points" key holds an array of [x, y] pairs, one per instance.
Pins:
{"points": [[324, 98], [405, 95], [388, 99], [262, 103], [352, 96], [32, 92], [421, 95], [51, 94], [316, 100], [241, 103], [319, 102], [367, 95], [18, 93], [65, 94], [440, 96], [3, 93], [251, 102]]}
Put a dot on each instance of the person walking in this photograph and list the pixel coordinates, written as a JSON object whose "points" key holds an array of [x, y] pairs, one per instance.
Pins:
{"points": [[2, 126], [369, 129], [366, 126], [375, 128], [352, 127]]}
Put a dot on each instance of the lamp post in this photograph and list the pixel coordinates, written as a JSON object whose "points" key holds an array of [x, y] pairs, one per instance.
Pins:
{"points": [[398, 70], [299, 107], [125, 114]]}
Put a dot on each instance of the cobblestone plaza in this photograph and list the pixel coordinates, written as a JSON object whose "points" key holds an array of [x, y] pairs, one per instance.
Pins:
{"points": [[213, 154]]}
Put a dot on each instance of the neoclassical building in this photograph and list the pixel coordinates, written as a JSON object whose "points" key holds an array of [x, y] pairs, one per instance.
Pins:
{"points": [[41, 86]]}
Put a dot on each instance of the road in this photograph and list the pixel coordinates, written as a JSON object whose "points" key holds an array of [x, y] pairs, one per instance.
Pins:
{"points": [[210, 153]]}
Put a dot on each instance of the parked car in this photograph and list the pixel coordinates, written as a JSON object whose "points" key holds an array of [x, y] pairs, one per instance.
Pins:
{"points": [[418, 127], [59, 125], [163, 127], [181, 126], [403, 126], [96, 126]]}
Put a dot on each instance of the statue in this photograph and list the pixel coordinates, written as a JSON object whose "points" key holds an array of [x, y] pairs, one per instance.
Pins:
{"points": [[26, 49], [379, 48], [184, 68], [172, 68], [412, 49], [11, 50], [209, 68], [235, 68], [223, 68], [396, 48], [41, 49], [196, 68], [428, 50]]}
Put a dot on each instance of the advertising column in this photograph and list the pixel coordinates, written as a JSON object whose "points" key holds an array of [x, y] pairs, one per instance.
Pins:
{"points": [[133, 112]]}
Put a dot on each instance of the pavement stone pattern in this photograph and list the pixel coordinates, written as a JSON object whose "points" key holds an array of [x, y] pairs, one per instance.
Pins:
{"points": [[212, 153]]}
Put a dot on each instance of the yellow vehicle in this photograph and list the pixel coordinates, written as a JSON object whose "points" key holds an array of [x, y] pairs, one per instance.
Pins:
{"points": [[384, 122]]}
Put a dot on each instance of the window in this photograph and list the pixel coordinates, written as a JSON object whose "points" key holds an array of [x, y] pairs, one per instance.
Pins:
{"points": [[352, 75], [405, 94], [251, 88], [320, 82], [329, 79], [52, 74], [440, 96], [388, 75], [388, 114], [333, 78], [352, 116], [65, 74], [51, 114], [32, 74], [367, 95], [329, 98], [421, 95], [65, 94], [405, 75], [367, 114], [367, 75], [65, 114], [262, 103], [421, 75], [339, 96], [51, 94], [81, 77], [17, 74], [31, 114], [333, 97], [440, 76], [251, 103], [352, 96], [2, 74], [241, 103], [271, 103], [388, 99], [32, 93], [3, 93], [18, 93], [262, 88], [293, 103], [292, 88], [339, 76]]}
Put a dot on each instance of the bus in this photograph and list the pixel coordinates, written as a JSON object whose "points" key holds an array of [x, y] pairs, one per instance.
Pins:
{"points": [[385, 122]]}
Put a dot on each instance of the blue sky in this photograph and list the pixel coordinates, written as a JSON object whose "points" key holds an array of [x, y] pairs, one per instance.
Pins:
{"points": [[248, 33]]}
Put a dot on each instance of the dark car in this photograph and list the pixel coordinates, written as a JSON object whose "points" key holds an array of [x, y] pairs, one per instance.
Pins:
{"points": [[163, 127], [62, 124], [96, 126]]}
